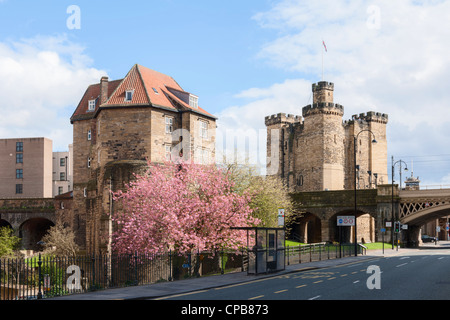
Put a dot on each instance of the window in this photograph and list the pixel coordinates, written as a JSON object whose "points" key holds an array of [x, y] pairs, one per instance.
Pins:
{"points": [[300, 180], [202, 156], [60, 191], [91, 105], [19, 157], [155, 91], [129, 95], [62, 162], [19, 173], [193, 101], [89, 163], [203, 129], [19, 188], [168, 152], [89, 135], [62, 176], [19, 146], [169, 124]]}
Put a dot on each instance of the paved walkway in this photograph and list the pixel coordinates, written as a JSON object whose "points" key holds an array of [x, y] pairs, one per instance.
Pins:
{"points": [[153, 291]]}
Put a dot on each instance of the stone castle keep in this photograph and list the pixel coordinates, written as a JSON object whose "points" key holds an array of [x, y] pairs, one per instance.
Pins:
{"points": [[120, 125], [315, 151]]}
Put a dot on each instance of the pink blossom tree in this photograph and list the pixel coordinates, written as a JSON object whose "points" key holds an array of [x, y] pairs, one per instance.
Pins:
{"points": [[181, 207]]}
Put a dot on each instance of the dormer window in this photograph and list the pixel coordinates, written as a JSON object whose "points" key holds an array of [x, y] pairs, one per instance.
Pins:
{"points": [[129, 95], [193, 101], [91, 105]]}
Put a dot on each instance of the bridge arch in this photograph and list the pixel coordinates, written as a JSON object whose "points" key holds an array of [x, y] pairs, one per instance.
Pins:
{"points": [[5, 223], [365, 227], [32, 230], [426, 214], [307, 229]]}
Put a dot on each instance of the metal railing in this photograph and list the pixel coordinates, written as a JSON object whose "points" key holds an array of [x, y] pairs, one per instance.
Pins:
{"points": [[318, 252], [42, 277], [50, 276]]}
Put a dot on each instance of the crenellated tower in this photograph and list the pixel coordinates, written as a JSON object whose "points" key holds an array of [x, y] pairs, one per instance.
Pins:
{"points": [[314, 152], [323, 136]]}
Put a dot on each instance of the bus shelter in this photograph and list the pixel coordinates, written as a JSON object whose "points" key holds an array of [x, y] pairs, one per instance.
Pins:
{"points": [[265, 249]]}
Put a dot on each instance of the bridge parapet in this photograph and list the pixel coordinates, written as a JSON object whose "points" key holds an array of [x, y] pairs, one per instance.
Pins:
{"points": [[423, 205]]}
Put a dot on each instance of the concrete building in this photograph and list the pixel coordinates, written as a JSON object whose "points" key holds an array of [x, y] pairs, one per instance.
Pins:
{"points": [[117, 126], [315, 151], [62, 171], [26, 168]]}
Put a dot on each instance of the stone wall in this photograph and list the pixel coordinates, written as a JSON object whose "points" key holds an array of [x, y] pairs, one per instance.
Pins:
{"points": [[315, 151]]}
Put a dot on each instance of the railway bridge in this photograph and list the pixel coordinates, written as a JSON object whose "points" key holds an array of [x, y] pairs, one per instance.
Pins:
{"points": [[376, 209]]}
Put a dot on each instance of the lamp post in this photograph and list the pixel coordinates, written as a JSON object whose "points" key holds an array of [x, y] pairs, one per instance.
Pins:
{"points": [[355, 139], [392, 200]]}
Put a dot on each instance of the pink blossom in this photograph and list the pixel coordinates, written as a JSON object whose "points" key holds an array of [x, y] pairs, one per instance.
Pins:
{"points": [[181, 207]]}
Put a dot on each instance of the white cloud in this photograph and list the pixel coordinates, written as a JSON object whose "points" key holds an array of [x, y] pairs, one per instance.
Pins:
{"points": [[43, 79], [385, 56]]}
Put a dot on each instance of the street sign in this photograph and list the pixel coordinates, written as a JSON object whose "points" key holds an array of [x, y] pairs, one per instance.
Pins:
{"points": [[388, 224], [281, 217], [404, 227], [345, 221], [383, 230]]}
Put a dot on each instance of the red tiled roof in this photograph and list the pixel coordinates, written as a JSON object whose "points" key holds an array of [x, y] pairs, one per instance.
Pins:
{"points": [[92, 93], [149, 88]]}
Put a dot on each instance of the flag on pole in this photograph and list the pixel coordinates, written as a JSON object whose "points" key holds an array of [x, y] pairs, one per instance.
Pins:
{"points": [[324, 45]]}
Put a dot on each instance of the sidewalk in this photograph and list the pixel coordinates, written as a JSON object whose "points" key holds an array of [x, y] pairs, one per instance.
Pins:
{"points": [[153, 291]]}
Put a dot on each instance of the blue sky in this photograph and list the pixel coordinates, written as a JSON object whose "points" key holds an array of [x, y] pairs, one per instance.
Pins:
{"points": [[244, 59]]}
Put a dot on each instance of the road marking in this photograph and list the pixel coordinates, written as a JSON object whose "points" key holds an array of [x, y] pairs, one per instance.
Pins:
{"points": [[331, 278], [356, 281], [344, 275], [404, 258], [354, 272], [441, 258], [402, 264], [303, 285], [181, 295], [354, 265], [318, 281], [314, 298], [257, 297], [281, 291]]}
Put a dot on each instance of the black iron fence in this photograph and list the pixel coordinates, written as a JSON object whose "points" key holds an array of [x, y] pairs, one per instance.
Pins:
{"points": [[320, 251], [49, 276], [43, 277]]}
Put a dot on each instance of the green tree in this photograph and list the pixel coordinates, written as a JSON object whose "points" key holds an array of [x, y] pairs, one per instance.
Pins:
{"points": [[8, 241], [269, 193]]}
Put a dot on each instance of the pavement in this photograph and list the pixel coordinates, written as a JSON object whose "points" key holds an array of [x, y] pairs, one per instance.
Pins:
{"points": [[162, 289]]}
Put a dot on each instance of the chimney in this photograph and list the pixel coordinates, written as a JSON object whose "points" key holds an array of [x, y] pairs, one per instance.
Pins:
{"points": [[103, 90]]}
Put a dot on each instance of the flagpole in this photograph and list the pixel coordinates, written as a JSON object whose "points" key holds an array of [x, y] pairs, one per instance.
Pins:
{"points": [[322, 61]]}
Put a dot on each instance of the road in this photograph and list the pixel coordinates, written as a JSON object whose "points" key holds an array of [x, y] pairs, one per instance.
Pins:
{"points": [[423, 274]]}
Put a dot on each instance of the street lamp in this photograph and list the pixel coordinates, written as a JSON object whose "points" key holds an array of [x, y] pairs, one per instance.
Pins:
{"points": [[392, 200], [355, 139]]}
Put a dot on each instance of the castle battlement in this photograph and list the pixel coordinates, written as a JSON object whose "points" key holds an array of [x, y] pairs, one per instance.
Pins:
{"points": [[372, 116], [282, 118], [323, 108], [322, 85]]}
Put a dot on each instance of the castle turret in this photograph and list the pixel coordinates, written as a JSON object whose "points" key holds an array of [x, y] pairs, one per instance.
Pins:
{"points": [[324, 133], [316, 152], [280, 128]]}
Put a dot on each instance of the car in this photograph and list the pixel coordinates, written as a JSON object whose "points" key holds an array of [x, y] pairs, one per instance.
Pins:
{"points": [[426, 238]]}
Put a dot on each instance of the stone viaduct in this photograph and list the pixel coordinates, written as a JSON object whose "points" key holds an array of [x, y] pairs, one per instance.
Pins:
{"points": [[317, 222], [413, 208], [31, 218]]}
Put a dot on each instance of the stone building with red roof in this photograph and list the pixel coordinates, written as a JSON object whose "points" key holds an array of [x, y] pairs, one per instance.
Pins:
{"points": [[117, 126]]}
